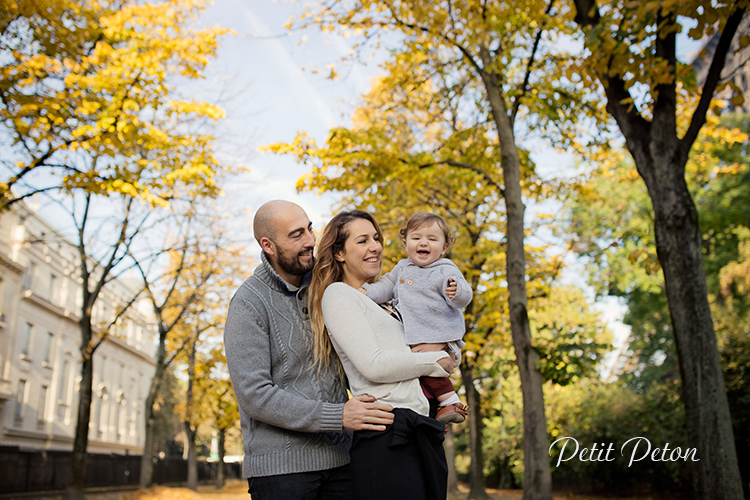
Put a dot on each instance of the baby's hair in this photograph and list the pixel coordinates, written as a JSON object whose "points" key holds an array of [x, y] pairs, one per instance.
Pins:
{"points": [[422, 219]]}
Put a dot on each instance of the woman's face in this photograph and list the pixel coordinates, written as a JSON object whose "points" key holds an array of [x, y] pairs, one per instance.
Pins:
{"points": [[362, 253]]}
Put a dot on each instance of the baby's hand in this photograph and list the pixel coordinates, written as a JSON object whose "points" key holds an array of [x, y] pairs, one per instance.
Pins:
{"points": [[450, 290], [362, 290]]}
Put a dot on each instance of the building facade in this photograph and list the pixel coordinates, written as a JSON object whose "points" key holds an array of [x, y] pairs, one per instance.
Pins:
{"points": [[40, 340]]}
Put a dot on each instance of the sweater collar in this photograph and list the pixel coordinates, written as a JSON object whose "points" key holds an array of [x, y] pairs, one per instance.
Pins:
{"points": [[437, 263], [268, 274]]}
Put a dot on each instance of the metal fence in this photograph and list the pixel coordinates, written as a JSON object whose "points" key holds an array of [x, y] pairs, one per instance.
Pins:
{"points": [[27, 471]]}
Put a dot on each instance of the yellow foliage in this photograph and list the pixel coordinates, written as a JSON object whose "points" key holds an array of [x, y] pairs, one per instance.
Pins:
{"points": [[109, 97]]}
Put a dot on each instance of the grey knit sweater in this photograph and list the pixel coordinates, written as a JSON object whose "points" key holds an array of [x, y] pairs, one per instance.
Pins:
{"points": [[291, 417]]}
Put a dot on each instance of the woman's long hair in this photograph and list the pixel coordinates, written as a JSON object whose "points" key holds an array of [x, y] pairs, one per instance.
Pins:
{"points": [[328, 270]]}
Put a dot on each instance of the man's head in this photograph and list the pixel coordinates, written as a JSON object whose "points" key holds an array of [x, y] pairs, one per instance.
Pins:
{"points": [[285, 234]]}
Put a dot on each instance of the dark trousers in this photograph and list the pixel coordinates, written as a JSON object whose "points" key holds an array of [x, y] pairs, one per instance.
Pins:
{"points": [[330, 484], [404, 462]]}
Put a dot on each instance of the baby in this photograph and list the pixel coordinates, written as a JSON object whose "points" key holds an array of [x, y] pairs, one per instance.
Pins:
{"points": [[428, 293]]}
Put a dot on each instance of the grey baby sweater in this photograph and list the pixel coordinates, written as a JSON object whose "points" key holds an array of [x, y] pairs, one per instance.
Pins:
{"points": [[291, 418], [418, 295]]}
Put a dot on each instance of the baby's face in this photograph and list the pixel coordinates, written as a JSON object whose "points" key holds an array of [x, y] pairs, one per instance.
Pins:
{"points": [[425, 244]]}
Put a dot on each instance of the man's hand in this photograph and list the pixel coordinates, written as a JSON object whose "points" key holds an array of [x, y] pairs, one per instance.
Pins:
{"points": [[363, 413]]}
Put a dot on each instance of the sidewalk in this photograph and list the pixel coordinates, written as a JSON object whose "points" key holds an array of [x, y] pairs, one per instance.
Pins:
{"points": [[233, 490], [237, 490]]}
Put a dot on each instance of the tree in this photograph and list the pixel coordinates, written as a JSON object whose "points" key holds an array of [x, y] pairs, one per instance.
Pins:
{"points": [[631, 53], [508, 55], [623, 261], [186, 296], [89, 114], [92, 77], [219, 403], [411, 149], [211, 281]]}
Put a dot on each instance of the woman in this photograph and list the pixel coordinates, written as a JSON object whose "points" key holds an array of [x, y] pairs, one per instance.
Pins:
{"points": [[363, 342]]}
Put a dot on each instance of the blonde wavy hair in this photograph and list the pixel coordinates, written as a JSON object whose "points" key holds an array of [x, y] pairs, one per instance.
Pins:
{"points": [[328, 270]]}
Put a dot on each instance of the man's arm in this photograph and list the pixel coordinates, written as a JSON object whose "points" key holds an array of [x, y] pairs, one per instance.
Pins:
{"points": [[248, 353]]}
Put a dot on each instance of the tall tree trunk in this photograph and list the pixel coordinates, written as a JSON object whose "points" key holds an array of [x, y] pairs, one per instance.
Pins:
{"points": [[221, 472], [660, 157], [537, 474], [192, 459], [477, 488], [80, 444], [678, 246], [450, 457], [85, 390], [147, 459], [147, 464]]}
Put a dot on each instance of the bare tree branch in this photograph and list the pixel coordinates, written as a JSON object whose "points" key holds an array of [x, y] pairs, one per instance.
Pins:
{"points": [[529, 65], [712, 80]]}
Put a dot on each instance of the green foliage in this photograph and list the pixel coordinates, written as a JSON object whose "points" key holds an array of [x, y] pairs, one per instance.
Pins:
{"points": [[611, 225], [595, 412], [569, 338], [611, 220], [166, 426]]}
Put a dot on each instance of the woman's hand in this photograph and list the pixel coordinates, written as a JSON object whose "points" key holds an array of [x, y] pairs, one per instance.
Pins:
{"points": [[447, 363]]}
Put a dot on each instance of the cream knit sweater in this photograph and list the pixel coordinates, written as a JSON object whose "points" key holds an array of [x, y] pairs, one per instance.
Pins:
{"points": [[372, 349]]}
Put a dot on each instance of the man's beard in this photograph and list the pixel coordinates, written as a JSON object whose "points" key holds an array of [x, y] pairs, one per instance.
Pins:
{"points": [[292, 265]]}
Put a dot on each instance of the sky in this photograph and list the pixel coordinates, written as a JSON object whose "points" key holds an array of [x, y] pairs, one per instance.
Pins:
{"points": [[278, 97], [271, 95]]}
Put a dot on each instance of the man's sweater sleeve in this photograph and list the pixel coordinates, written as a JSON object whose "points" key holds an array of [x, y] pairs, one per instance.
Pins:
{"points": [[248, 353], [382, 290], [350, 329]]}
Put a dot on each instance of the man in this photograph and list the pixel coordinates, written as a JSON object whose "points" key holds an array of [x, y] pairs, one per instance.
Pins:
{"points": [[293, 417]]}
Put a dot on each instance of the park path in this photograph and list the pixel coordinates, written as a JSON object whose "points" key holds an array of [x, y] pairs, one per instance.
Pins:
{"points": [[237, 490]]}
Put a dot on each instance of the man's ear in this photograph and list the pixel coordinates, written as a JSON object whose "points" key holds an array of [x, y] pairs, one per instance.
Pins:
{"points": [[267, 246]]}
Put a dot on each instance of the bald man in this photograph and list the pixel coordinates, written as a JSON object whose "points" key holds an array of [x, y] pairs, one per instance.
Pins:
{"points": [[294, 419]]}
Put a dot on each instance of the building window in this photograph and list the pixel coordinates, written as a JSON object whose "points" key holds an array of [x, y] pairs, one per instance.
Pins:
{"points": [[42, 409], [28, 333], [21, 396], [101, 411], [52, 289], [28, 280], [62, 390], [122, 405], [48, 349]]}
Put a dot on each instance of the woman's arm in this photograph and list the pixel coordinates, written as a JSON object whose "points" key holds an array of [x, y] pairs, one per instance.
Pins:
{"points": [[354, 337]]}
